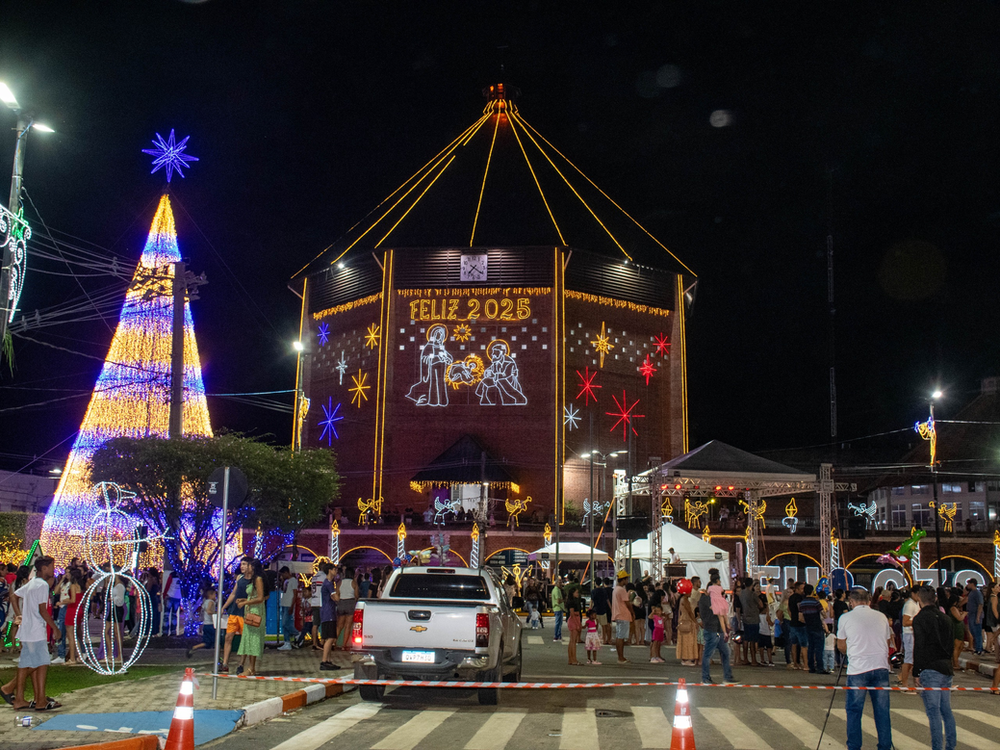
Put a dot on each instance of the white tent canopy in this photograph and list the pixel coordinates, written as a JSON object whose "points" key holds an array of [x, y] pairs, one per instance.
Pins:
{"points": [[569, 552], [694, 551]]}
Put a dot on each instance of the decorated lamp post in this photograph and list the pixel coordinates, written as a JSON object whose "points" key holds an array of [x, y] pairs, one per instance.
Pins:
{"points": [[401, 540], [474, 554], [996, 555], [928, 431]]}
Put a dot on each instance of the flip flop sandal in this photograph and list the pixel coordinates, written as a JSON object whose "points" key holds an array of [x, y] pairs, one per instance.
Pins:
{"points": [[9, 697], [51, 705]]}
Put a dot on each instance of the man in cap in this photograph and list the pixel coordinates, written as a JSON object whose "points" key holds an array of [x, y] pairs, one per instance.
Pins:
{"points": [[621, 615]]}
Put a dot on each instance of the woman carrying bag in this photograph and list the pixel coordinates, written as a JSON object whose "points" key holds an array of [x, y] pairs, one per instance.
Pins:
{"points": [[252, 643]]}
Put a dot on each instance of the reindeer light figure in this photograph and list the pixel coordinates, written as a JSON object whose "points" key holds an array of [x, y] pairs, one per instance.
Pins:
{"points": [[516, 508]]}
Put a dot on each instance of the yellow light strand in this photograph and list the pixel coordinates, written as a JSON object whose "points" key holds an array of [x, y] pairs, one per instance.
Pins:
{"points": [[482, 188], [477, 292], [682, 328], [597, 187], [617, 303], [413, 205], [370, 299], [579, 197], [535, 178]]}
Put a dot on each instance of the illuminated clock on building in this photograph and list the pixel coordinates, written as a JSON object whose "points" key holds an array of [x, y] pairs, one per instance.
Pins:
{"points": [[473, 268]]}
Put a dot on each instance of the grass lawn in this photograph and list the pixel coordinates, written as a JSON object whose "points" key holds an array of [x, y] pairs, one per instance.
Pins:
{"points": [[62, 679]]}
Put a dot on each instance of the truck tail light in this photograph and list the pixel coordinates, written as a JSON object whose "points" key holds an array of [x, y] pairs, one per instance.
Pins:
{"points": [[357, 630], [482, 630]]}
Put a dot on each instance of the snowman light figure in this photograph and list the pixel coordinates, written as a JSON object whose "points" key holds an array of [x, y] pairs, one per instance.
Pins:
{"points": [[111, 537]]}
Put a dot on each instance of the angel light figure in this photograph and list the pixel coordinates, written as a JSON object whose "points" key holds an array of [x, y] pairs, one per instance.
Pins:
{"points": [[112, 545]]}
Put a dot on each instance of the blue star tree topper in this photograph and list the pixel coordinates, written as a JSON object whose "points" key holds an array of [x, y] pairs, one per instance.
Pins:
{"points": [[169, 155]]}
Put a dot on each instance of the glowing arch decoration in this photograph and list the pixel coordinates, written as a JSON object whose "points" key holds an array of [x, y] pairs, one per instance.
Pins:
{"points": [[588, 388], [474, 553], [602, 344], [791, 521], [110, 537], [169, 155], [516, 508], [625, 416], [131, 397]]}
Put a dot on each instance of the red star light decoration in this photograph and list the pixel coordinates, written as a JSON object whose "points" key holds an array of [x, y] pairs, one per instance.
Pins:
{"points": [[647, 369], [625, 416], [587, 386], [662, 342]]}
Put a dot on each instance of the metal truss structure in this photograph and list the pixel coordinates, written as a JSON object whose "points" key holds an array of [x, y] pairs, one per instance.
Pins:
{"points": [[750, 491]]}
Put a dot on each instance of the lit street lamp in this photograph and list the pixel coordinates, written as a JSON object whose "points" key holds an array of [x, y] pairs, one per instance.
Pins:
{"points": [[928, 431], [8, 294]]}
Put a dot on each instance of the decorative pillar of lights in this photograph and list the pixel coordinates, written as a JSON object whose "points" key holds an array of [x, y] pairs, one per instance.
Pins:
{"points": [[753, 531], [996, 555], [834, 550], [14, 236], [915, 558], [110, 538], [258, 542], [132, 395], [474, 554], [401, 540], [335, 543]]}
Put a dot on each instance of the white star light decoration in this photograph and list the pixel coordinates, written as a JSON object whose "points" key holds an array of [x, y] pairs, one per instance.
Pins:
{"points": [[169, 155], [571, 417], [329, 422], [341, 367]]}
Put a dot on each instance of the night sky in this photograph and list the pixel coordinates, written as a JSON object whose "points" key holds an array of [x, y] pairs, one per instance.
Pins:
{"points": [[878, 123]]}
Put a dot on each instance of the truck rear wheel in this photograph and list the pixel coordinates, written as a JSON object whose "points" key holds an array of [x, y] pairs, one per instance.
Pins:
{"points": [[371, 693], [490, 696]]}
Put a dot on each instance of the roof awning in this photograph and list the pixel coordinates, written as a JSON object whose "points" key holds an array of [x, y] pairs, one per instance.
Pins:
{"points": [[465, 462]]}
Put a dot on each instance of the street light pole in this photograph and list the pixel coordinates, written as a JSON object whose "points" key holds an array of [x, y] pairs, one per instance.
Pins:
{"points": [[937, 520]]}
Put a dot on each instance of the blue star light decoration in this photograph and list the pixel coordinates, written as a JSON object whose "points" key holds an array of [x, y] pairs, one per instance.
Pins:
{"points": [[571, 417], [323, 333], [329, 421], [169, 155]]}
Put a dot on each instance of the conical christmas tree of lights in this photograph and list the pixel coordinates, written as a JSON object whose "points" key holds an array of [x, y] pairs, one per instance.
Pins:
{"points": [[132, 395]]}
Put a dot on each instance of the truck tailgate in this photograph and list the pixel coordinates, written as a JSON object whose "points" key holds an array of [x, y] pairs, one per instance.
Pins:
{"points": [[420, 624]]}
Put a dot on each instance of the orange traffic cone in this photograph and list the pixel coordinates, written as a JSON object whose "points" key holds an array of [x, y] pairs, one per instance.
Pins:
{"points": [[181, 736], [682, 737]]}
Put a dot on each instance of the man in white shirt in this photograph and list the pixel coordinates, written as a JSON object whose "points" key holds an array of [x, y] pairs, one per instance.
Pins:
{"points": [[34, 603], [910, 610], [286, 611], [864, 635]]}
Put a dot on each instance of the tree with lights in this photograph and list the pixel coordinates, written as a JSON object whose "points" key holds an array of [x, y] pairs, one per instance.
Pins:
{"points": [[169, 476]]}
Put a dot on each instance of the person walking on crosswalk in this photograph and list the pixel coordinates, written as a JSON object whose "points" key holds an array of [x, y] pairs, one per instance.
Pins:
{"points": [[716, 638], [865, 636]]}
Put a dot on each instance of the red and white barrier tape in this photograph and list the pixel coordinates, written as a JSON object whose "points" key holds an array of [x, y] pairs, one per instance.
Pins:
{"points": [[552, 685]]}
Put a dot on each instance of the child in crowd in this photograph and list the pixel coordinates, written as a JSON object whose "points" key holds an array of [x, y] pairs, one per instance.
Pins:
{"points": [[658, 635], [720, 607], [765, 644], [207, 610], [829, 651], [593, 641]]}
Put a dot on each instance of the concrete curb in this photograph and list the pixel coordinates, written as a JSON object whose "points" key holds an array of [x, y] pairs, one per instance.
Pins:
{"points": [[140, 742], [271, 707], [979, 666]]}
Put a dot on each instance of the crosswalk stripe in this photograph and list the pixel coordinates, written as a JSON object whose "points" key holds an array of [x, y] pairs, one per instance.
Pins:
{"points": [[412, 732], [497, 731], [739, 734], [535, 640], [579, 730], [964, 735], [653, 726], [806, 733], [899, 740], [315, 736], [985, 718]]}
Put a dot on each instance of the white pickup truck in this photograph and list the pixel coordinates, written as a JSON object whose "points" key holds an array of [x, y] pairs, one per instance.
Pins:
{"points": [[437, 624]]}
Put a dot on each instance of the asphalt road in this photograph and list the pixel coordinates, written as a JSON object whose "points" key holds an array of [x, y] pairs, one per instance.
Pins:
{"points": [[610, 718]]}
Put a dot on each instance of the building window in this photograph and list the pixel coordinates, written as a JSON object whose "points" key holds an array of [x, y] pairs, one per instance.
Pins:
{"points": [[918, 489], [899, 516], [895, 491], [977, 510], [922, 515], [951, 487]]}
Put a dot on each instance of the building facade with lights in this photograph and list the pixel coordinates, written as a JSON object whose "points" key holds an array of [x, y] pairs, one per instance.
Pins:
{"points": [[487, 326]]}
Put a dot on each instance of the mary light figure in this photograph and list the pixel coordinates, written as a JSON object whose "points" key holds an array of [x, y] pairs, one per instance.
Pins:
{"points": [[431, 389]]}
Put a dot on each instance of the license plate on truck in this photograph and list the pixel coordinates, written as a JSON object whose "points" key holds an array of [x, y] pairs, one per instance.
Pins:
{"points": [[421, 657]]}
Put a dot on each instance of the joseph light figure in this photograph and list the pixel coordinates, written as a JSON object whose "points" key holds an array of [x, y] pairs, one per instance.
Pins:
{"points": [[132, 395]]}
